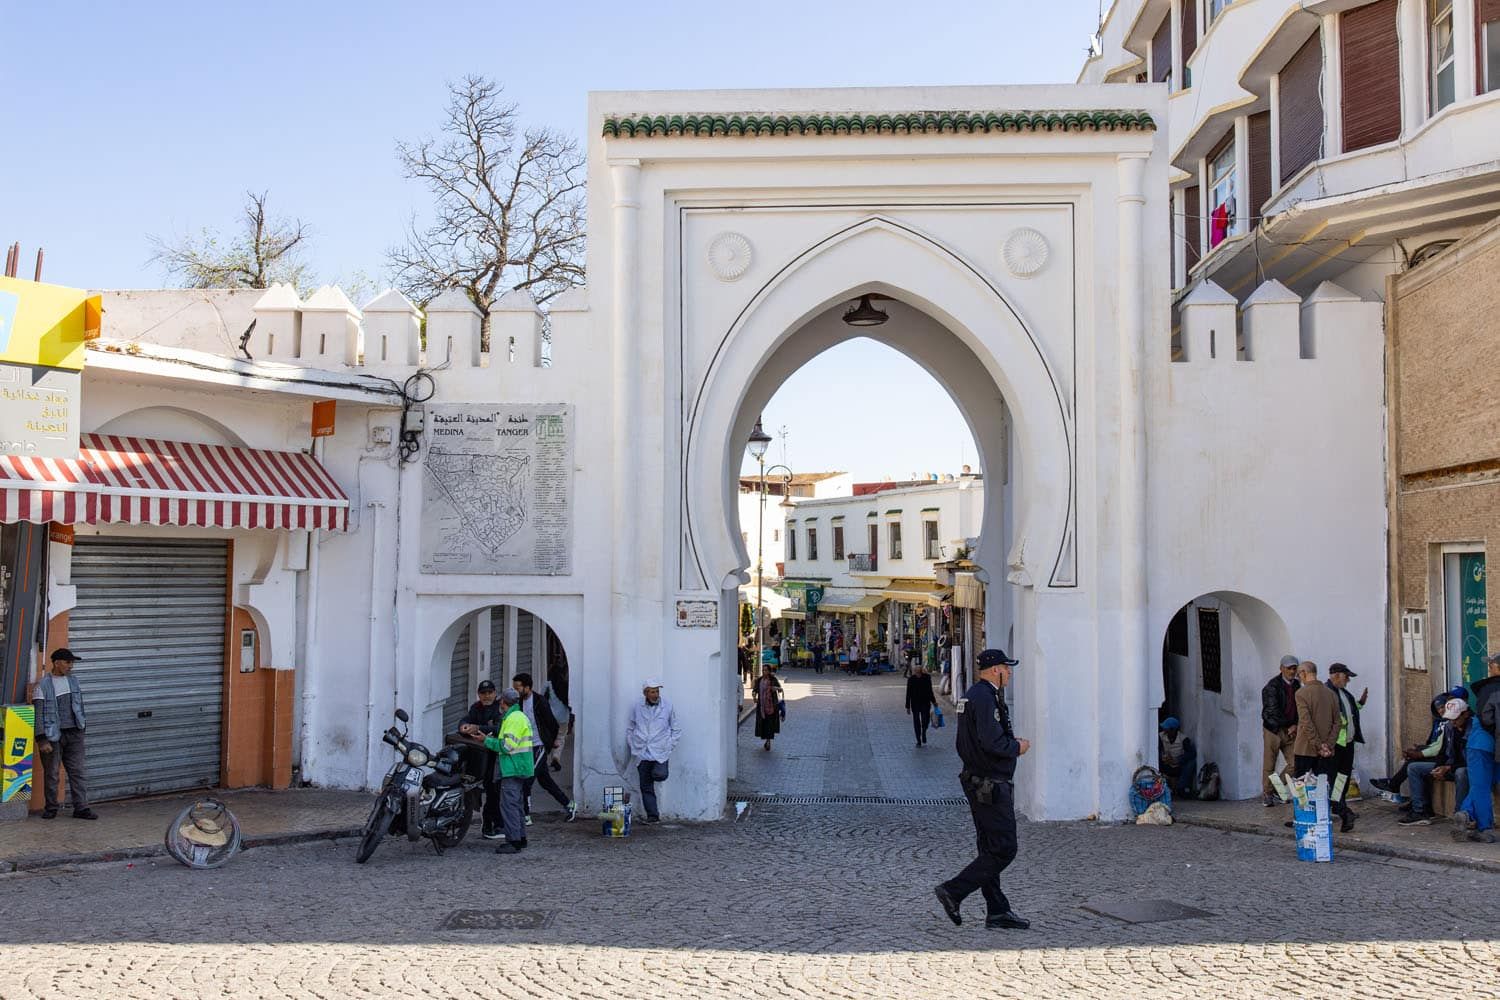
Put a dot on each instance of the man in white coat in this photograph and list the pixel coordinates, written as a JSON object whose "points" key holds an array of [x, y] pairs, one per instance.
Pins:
{"points": [[652, 733]]}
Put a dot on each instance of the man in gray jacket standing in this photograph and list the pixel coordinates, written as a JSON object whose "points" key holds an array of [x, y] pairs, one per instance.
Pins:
{"points": [[58, 701]]}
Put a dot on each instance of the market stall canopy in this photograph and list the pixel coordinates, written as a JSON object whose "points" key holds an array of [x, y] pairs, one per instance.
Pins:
{"points": [[46, 324], [129, 480], [916, 592], [855, 602]]}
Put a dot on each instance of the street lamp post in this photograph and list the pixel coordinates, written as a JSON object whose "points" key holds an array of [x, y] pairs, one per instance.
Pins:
{"points": [[759, 442]]}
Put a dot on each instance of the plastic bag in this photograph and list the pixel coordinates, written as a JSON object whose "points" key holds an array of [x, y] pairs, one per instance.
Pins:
{"points": [[937, 717], [1156, 814]]}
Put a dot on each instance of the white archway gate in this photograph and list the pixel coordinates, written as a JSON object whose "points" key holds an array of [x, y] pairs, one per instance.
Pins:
{"points": [[1011, 236]]}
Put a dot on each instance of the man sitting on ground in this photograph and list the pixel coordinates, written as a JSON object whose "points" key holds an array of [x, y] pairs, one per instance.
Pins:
{"points": [[1176, 756]]}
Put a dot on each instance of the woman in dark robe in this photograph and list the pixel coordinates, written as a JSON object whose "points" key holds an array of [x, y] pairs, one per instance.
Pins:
{"points": [[767, 707]]}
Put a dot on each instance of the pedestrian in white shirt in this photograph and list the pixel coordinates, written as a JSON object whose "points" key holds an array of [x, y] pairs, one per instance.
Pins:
{"points": [[652, 733]]}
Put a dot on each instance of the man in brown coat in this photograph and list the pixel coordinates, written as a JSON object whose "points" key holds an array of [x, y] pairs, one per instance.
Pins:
{"points": [[1318, 722]]}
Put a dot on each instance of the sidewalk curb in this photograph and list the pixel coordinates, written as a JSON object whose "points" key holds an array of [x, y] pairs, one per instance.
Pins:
{"points": [[1380, 850], [43, 862], [745, 712]]}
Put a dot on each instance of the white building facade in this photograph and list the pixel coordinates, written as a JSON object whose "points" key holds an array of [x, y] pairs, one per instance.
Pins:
{"points": [[1020, 240]]}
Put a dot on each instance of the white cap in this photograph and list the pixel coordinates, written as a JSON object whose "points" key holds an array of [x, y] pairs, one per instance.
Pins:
{"points": [[651, 682], [1454, 708]]}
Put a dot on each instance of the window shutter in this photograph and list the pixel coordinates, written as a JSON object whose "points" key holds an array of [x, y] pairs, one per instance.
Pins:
{"points": [[1485, 11], [1161, 51], [1189, 30], [1193, 209], [1371, 81], [1260, 164], [1301, 108]]}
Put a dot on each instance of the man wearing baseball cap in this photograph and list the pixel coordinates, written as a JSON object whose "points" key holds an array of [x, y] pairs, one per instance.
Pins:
{"points": [[1350, 735], [484, 720], [989, 751], [1278, 723], [58, 701]]}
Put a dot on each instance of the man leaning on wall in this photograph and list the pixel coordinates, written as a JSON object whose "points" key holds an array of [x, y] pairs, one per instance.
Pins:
{"points": [[1278, 721]]}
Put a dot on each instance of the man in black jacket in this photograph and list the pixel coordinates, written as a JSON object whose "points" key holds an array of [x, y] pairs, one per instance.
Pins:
{"points": [[484, 720], [544, 725], [1278, 722], [1350, 736], [989, 751]]}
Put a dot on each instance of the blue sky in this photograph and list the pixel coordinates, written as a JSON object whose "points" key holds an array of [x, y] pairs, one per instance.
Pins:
{"points": [[124, 120]]}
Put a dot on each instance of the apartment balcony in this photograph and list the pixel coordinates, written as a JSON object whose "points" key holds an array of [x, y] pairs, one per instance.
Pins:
{"points": [[866, 563]]}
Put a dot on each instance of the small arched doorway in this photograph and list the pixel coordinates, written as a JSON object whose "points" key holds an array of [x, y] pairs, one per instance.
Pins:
{"points": [[1217, 652], [498, 643]]}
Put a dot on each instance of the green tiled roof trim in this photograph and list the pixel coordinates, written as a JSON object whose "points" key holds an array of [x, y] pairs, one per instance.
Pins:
{"points": [[917, 122]]}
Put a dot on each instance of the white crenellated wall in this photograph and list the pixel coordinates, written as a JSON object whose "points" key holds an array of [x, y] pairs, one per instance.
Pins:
{"points": [[1266, 485]]}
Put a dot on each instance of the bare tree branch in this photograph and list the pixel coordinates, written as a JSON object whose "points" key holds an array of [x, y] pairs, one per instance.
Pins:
{"points": [[265, 251], [508, 207]]}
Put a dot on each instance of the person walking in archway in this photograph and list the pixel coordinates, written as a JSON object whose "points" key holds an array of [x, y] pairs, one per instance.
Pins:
{"points": [[919, 702], [545, 739], [767, 707], [989, 751]]}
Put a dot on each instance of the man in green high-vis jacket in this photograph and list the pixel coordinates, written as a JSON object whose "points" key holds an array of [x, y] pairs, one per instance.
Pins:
{"points": [[513, 744]]}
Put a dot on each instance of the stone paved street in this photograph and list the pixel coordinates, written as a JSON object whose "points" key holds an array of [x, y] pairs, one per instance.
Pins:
{"points": [[793, 901]]}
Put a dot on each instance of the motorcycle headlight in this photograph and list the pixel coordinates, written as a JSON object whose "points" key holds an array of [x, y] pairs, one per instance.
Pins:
{"points": [[416, 757]]}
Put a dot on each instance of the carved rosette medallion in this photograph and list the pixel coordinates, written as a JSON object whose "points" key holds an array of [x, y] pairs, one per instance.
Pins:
{"points": [[729, 256]]}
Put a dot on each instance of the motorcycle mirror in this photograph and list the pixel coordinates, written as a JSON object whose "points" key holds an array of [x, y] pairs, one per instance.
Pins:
{"points": [[401, 714]]}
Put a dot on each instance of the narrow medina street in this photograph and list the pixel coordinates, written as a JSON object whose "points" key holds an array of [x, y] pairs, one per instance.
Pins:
{"points": [[798, 899]]}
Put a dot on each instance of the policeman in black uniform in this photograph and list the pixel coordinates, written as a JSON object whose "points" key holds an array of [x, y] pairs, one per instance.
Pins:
{"points": [[989, 751]]}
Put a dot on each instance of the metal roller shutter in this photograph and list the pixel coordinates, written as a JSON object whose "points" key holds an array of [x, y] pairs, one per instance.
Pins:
{"points": [[150, 624], [525, 630], [458, 701], [498, 672]]}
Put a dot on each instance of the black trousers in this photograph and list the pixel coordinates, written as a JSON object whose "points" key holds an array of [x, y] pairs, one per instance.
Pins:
{"points": [[1343, 764], [995, 831], [68, 753], [491, 812], [1321, 765], [921, 718], [543, 777]]}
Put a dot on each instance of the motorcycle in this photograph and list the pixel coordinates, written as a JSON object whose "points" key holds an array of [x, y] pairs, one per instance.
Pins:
{"points": [[423, 795]]}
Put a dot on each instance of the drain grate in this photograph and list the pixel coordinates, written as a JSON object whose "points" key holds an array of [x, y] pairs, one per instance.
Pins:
{"points": [[498, 920], [1145, 911], [771, 798]]}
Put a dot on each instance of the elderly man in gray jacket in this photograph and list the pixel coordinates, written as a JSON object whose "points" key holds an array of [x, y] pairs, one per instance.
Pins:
{"points": [[58, 701]]}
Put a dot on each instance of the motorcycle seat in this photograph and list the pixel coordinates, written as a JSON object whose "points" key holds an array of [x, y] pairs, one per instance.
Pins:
{"points": [[439, 780]]}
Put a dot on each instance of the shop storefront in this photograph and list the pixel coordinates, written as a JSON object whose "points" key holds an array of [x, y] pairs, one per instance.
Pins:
{"points": [[142, 545]]}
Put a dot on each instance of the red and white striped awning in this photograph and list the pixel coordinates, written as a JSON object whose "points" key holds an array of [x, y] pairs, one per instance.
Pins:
{"points": [[45, 489], [130, 480], [145, 481]]}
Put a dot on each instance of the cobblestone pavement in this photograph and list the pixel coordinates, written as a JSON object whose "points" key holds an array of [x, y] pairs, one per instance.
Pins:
{"points": [[793, 901], [846, 735]]}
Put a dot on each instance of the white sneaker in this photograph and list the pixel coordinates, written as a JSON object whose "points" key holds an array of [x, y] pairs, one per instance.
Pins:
{"points": [[528, 820], [572, 812]]}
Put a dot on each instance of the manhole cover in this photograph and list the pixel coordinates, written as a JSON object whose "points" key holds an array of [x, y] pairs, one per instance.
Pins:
{"points": [[1145, 911], [498, 920]]}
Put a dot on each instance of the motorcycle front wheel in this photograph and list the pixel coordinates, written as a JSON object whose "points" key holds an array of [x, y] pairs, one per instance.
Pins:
{"points": [[375, 830], [455, 834]]}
